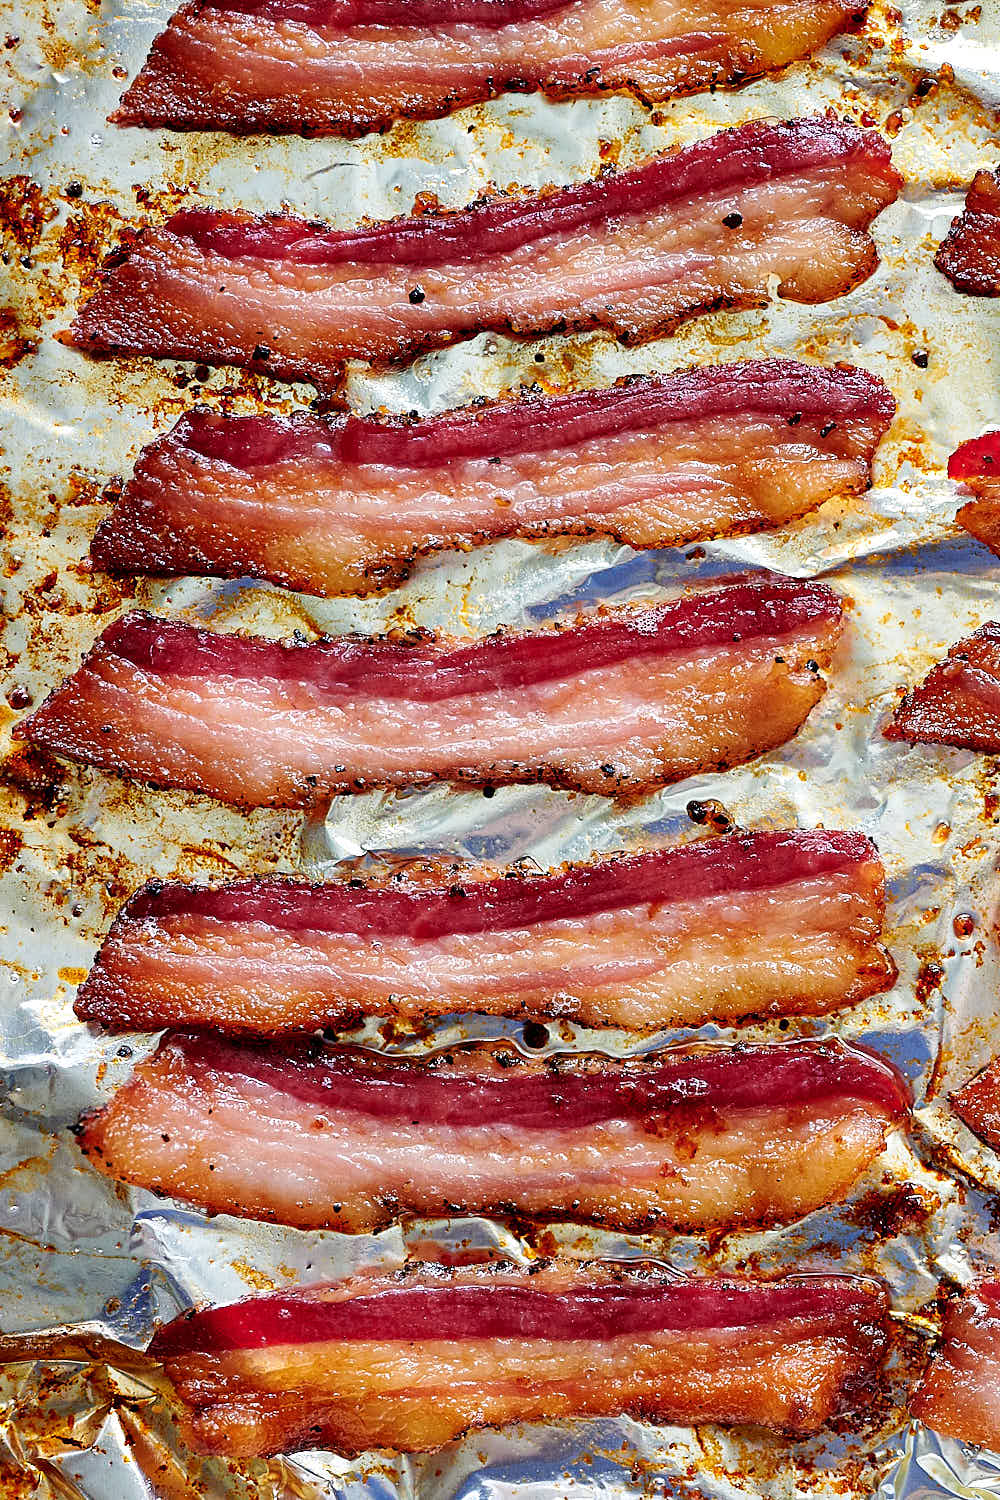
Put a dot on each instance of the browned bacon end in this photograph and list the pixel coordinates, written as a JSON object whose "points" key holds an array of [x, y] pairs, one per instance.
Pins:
{"points": [[617, 703], [411, 1361], [317, 67], [344, 505], [332, 1138], [958, 703], [970, 255], [715, 224], [977, 1104], [976, 465], [960, 1393], [775, 923]]}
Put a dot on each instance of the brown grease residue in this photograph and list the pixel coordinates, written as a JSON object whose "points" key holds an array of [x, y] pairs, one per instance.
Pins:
{"points": [[15, 344], [24, 212]]}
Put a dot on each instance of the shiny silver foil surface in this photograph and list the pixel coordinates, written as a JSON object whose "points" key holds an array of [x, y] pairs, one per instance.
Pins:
{"points": [[87, 1268]]}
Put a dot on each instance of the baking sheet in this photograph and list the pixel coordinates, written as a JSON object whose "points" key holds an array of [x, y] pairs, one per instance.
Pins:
{"points": [[87, 1267]]}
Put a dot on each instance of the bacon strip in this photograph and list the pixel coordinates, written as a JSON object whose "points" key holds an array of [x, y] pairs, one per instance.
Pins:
{"points": [[339, 1139], [976, 465], [617, 703], [960, 1393], [410, 1361], [321, 67], [635, 252], [958, 703], [753, 923], [977, 1104], [344, 506], [970, 254]]}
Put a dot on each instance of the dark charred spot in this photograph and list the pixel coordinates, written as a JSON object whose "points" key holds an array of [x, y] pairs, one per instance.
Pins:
{"points": [[827, 428], [535, 1035], [795, 419], [920, 358], [733, 220], [417, 295]]}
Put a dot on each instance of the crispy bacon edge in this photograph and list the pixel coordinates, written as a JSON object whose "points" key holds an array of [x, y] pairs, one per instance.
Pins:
{"points": [[958, 702], [970, 254]]}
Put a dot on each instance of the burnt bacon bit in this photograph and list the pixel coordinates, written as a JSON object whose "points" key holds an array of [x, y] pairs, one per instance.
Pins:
{"points": [[960, 1392], [976, 465], [970, 254], [660, 691], [745, 924], [977, 1104], [958, 703], [651, 461], [568, 259], [687, 1140], [790, 1354], [233, 64]]}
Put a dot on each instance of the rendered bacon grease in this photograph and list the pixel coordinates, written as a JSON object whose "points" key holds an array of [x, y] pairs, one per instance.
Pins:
{"points": [[751, 923], [410, 1361], [343, 67], [635, 252], [976, 465], [958, 703], [344, 505], [977, 1104], [619, 702], [960, 1393], [970, 255], [340, 1139]]}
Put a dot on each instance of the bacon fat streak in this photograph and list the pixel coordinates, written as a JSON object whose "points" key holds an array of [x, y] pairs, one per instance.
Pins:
{"points": [[754, 923], [958, 703], [635, 252], [960, 1394], [970, 255], [616, 703], [321, 67], [344, 505], [340, 1139], [411, 1361]]}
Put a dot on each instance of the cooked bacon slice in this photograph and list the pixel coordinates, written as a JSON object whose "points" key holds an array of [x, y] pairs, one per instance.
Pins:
{"points": [[976, 465], [345, 505], [617, 703], [321, 67], [752, 923], [977, 1104], [635, 252], [958, 703], [340, 1139], [960, 1393], [411, 1360], [970, 255]]}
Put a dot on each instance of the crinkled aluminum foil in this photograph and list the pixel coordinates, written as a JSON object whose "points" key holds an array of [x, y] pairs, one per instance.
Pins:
{"points": [[86, 1268]]}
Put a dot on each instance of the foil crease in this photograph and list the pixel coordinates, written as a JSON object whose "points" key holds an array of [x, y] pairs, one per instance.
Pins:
{"points": [[87, 1267]]}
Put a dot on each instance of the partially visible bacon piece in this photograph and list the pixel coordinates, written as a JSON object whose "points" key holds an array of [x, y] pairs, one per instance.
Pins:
{"points": [[977, 1104], [410, 1361], [960, 1393], [340, 1139], [322, 67], [958, 703], [976, 465], [344, 505], [753, 923], [636, 252], [618, 702], [970, 255]]}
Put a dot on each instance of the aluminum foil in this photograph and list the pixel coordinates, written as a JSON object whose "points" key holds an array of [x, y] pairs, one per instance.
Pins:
{"points": [[86, 1267]]}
